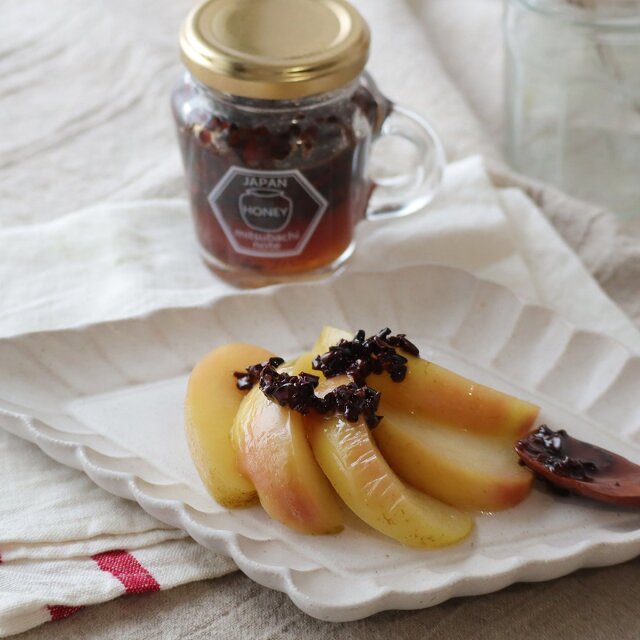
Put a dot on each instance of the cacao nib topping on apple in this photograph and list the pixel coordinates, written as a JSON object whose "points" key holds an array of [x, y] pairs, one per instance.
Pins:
{"points": [[363, 356], [554, 450], [298, 393], [251, 375], [295, 392], [353, 401]]}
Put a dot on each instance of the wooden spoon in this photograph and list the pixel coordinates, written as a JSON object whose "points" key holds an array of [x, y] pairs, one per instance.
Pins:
{"points": [[580, 467]]}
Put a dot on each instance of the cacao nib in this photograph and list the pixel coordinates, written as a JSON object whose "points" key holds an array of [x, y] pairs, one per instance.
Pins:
{"points": [[551, 448], [327, 143], [298, 393], [295, 392], [251, 375], [363, 356], [353, 401]]}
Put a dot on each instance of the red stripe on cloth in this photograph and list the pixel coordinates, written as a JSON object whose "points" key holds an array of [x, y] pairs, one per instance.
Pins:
{"points": [[59, 611], [122, 565]]}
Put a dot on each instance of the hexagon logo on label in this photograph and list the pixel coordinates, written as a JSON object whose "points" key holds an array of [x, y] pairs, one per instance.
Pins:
{"points": [[268, 214]]}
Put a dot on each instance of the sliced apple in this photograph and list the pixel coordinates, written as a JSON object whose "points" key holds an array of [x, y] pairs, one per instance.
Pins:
{"points": [[273, 452], [461, 468], [353, 463], [303, 365], [465, 469], [438, 394], [211, 404]]}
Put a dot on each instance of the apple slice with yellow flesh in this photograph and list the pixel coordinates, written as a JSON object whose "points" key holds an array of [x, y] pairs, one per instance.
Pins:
{"points": [[211, 405], [273, 452], [360, 475], [438, 394], [461, 468]]}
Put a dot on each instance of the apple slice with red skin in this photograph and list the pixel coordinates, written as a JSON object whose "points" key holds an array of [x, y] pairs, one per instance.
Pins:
{"points": [[274, 454]]}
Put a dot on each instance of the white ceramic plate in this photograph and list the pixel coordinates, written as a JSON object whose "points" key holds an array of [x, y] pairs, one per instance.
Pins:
{"points": [[108, 399]]}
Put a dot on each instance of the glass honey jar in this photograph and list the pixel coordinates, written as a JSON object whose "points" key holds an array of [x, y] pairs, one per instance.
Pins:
{"points": [[276, 118]]}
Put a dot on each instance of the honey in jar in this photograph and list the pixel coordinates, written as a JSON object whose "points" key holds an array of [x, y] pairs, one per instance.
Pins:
{"points": [[275, 118]]}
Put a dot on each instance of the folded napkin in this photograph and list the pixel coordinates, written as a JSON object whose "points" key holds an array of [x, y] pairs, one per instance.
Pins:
{"points": [[66, 543]]}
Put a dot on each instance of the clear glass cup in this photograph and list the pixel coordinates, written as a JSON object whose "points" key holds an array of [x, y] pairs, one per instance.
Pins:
{"points": [[278, 186], [573, 97]]}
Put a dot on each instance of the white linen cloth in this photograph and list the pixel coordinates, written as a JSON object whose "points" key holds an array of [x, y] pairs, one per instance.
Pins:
{"points": [[120, 260], [94, 228]]}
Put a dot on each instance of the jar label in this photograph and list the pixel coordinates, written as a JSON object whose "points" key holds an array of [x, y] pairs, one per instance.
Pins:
{"points": [[269, 214]]}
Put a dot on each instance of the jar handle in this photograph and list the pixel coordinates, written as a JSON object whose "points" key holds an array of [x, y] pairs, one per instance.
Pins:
{"points": [[404, 192]]}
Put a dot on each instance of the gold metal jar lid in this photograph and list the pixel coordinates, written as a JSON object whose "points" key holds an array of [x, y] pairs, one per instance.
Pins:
{"points": [[274, 49]]}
